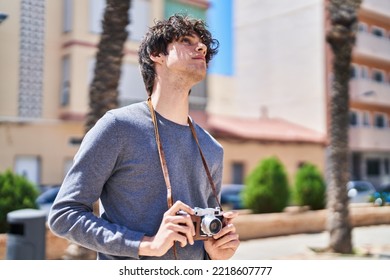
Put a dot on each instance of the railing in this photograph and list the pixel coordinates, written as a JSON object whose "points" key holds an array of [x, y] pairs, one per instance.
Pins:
{"points": [[370, 92], [369, 138], [370, 45]]}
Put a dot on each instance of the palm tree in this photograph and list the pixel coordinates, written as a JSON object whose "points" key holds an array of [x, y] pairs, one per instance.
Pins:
{"points": [[103, 93], [341, 37]]}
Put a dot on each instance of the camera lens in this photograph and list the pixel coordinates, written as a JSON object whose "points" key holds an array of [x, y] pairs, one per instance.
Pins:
{"points": [[211, 225]]}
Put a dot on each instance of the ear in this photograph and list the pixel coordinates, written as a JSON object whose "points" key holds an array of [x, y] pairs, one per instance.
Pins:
{"points": [[157, 58]]}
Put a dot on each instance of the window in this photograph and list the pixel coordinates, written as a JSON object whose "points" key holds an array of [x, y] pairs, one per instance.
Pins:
{"points": [[139, 19], [138, 15], [131, 86], [373, 167], [377, 31], [354, 71], [353, 118], [67, 15], [237, 173], [386, 166], [380, 120], [362, 27], [378, 76], [65, 82], [96, 11], [28, 167]]}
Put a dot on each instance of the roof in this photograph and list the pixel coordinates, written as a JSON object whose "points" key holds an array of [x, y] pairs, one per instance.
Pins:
{"points": [[262, 129]]}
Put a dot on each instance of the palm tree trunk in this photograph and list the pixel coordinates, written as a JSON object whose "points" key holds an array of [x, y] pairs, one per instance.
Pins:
{"points": [[103, 93], [341, 37]]}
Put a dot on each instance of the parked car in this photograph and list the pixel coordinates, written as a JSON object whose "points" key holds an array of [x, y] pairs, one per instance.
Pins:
{"points": [[360, 191], [382, 196], [47, 197], [231, 196]]}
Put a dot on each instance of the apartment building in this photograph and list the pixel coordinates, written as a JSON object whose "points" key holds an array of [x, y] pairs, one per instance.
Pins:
{"points": [[283, 69], [370, 95]]}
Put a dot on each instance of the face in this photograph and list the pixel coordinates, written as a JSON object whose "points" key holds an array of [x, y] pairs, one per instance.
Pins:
{"points": [[186, 57]]}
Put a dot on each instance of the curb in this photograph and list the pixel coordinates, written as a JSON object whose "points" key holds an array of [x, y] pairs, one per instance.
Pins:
{"points": [[255, 226]]}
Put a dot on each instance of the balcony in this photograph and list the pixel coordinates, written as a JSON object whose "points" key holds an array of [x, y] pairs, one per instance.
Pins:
{"points": [[364, 138], [369, 92], [372, 46]]}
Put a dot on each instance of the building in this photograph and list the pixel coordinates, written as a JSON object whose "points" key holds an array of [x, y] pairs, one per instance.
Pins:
{"points": [[281, 68], [370, 95], [256, 91]]}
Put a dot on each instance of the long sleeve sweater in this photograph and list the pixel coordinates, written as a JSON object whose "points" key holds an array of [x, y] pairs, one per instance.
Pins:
{"points": [[118, 164]]}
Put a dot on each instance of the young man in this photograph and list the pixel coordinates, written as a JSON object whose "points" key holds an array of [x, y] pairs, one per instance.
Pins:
{"points": [[119, 162]]}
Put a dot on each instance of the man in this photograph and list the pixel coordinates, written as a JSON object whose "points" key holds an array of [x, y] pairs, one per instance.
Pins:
{"points": [[122, 158]]}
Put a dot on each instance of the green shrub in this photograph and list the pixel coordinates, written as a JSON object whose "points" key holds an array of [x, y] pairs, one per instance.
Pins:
{"points": [[16, 192], [310, 187], [267, 189]]}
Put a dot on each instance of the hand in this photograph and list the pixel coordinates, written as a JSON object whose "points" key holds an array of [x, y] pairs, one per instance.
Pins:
{"points": [[224, 244], [173, 228]]}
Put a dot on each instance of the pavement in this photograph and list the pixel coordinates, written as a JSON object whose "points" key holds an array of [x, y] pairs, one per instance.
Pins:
{"points": [[371, 242]]}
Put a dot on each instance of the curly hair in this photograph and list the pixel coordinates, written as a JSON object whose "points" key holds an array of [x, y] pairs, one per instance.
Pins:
{"points": [[166, 31]]}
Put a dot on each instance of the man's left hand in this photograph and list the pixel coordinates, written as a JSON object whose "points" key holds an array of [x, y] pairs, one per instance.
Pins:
{"points": [[224, 244]]}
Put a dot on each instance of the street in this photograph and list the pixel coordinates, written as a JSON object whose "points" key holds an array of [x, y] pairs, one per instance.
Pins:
{"points": [[373, 239]]}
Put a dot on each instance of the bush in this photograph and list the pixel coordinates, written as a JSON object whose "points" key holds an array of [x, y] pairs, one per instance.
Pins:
{"points": [[267, 189], [310, 187], [16, 192]]}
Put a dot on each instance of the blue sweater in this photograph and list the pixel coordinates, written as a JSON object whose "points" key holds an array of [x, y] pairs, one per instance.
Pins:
{"points": [[118, 163]]}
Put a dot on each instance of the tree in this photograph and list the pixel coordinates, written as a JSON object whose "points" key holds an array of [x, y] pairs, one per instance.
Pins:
{"points": [[341, 38], [310, 187], [16, 192], [103, 92], [267, 188]]}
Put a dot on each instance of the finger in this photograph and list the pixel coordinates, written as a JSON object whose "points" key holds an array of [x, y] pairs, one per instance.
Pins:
{"points": [[233, 245], [180, 238], [230, 215], [184, 220], [183, 230], [229, 228], [179, 206], [227, 241]]}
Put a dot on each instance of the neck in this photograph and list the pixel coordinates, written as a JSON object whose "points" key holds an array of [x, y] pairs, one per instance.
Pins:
{"points": [[171, 104]]}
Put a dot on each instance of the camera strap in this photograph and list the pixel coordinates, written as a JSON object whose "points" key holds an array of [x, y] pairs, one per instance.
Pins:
{"points": [[164, 163]]}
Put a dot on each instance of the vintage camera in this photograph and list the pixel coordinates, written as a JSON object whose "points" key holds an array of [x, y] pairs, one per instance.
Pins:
{"points": [[207, 222]]}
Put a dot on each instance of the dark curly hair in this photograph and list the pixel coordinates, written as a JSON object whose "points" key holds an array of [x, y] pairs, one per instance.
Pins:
{"points": [[166, 31]]}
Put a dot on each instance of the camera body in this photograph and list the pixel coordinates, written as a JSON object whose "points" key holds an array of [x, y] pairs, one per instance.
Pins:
{"points": [[207, 222]]}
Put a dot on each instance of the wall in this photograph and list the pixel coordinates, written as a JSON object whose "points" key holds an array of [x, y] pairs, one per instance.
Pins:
{"points": [[290, 154]]}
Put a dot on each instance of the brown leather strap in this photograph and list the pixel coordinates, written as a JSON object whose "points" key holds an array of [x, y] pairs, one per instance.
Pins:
{"points": [[161, 155], [204, 163]]}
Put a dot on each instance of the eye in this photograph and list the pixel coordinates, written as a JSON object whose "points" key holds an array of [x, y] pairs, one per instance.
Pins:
{"points": [[186, 40]]}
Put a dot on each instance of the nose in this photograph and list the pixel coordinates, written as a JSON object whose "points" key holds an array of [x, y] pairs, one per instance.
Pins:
{"points": [[201, 48]]}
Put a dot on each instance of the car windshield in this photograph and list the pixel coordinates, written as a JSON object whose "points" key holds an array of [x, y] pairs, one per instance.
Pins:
{"points": [[361, 186]]}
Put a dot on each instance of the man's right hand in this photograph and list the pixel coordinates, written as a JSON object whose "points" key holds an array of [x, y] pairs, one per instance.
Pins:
{"points": [[173, 228]]}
